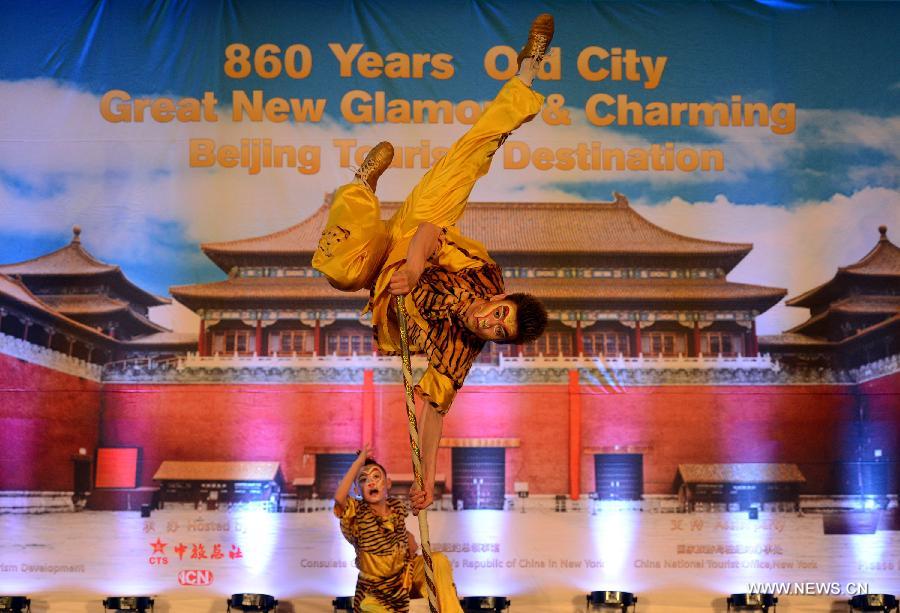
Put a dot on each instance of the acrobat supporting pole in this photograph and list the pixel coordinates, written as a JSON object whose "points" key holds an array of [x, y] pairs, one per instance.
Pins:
{"points": [[416, 452]]}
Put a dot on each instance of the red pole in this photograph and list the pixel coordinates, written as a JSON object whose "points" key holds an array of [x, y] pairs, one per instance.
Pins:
{"points": [[574, 435], [368, 406], [579, 339], [637, 339], [259, 347], [754, 340], [317, 338], [696, 351], [201, 340]]}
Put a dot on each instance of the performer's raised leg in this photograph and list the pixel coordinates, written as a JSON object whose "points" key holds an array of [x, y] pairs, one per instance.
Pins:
{"points": [[440, 197]]}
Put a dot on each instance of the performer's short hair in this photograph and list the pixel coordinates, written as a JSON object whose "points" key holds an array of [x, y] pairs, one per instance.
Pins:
{"points": [[374, 462], [531, 318]]}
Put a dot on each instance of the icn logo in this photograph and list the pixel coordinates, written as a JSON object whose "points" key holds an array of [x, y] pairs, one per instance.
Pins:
{"points": [[195, 577]]}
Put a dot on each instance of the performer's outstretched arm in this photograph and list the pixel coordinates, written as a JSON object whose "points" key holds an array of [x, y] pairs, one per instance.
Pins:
{"points": [[343, 489], [422, 246]]}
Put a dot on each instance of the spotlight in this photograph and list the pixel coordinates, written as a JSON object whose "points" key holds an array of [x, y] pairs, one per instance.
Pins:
{"points": [[604, 599], [874, 602], [128, 603], [342, 604], [252, 602], [752, 602], [473, 604], [15, 604]]}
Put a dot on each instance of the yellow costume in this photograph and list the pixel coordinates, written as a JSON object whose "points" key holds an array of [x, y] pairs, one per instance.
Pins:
{"points": [[359, 250], [387, 575]]}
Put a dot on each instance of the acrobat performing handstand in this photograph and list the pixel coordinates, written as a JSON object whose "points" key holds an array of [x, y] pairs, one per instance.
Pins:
{"points": [[453, 291]]}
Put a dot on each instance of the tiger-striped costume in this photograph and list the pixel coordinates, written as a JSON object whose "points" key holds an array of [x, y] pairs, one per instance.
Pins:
{"points": [[382, 552], [441, 299], [359, 250], [388, 574]]}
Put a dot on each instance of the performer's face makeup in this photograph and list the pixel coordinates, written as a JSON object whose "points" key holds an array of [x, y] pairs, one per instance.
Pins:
{"points": [[373, 484], [495, 321]]}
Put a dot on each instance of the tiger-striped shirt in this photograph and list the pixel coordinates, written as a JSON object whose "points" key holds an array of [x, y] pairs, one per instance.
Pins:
{"points": [[382, 552], [442, 299], [459, 272]]}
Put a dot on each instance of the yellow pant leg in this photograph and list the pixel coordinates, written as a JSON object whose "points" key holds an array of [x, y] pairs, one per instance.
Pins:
{"points": [[355, 240], [440, 197], [445, 589]]}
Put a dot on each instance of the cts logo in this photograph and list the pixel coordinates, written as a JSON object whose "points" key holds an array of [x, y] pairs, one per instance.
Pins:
{"points": [[195, 577]]}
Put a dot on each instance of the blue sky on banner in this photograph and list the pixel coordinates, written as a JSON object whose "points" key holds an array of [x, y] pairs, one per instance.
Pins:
{"points": [[810, 199]]}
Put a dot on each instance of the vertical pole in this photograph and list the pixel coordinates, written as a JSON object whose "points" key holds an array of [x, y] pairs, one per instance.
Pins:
{"points": [[574, 435], [696, 351], [201, 340], [637, 340], [416, 454], [368, 407], [317, 337], [754, 340]]}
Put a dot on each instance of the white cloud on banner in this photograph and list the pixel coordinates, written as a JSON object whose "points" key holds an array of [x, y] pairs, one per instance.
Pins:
{"points": [[130, 187], [797, 248]]}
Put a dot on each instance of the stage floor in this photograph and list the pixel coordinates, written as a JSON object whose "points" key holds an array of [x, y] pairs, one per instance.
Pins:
{"points": [[544, 561]]}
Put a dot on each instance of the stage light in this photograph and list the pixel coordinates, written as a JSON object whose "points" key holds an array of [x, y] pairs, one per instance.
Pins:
{"points": [[603, 599], [752, 602], [128, 603], [874, 602], [473, 604], [342, 604], [252, 602], [15, 604]]}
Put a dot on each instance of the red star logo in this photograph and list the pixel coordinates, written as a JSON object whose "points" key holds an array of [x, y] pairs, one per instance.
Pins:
{"points": [[158, 546]]}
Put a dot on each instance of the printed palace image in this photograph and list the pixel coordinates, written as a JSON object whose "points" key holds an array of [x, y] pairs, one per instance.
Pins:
{"points": [[638, 381]]}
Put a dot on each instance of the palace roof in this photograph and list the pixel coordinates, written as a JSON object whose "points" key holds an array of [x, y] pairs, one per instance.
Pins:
{"points": [[859, 305], [84, 304], [73, 261], [178, 340], [800, 340], [646, 290], [882, 262], [294, 291], [298, 291], [792, 339], [540, 228], [218, 471], [17, 293], [741, 472], [97, 307]]}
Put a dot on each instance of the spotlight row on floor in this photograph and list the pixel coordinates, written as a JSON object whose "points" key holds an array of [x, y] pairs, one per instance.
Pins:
{"points": [[595, 601]]}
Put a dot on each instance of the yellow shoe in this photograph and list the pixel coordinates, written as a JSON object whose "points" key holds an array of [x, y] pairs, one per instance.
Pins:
{"points": [[376, 162], [539, 37]]}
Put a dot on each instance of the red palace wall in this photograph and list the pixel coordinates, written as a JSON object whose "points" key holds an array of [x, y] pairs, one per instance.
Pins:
{"points": [[808, 425], [232, 422], [45, 417]]}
